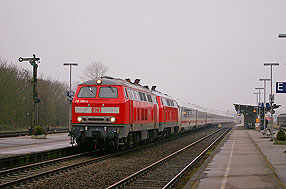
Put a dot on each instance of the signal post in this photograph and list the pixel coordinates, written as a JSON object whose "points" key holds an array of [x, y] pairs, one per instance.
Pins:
{"points": [[33, 61]]}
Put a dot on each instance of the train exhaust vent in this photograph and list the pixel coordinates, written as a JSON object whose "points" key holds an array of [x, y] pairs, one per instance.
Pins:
{"points": [[107, 77], [137, 81], [128, 80], [147, 87], [153, 88]]}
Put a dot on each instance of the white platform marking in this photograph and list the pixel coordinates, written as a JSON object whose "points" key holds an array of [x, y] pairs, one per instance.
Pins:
{"points": [[224, 180]]}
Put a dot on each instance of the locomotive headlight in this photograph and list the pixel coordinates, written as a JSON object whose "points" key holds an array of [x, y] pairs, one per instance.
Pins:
{"points": [[98, 82], [113, 119], [79, 119]]}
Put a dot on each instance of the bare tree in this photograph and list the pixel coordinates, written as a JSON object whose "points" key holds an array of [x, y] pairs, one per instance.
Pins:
{"points": [[16, 99], [94, 70]]}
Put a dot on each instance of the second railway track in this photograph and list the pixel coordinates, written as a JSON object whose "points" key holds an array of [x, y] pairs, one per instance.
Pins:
{"points": [[165, 172]]}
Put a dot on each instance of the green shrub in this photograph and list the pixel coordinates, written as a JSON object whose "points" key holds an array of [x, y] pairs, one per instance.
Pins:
{"points": [[281, 135], [39, 130]]}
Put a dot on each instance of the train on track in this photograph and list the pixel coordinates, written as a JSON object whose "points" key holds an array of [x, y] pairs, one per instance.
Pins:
{"points": [[112, 112], [281, 120]]}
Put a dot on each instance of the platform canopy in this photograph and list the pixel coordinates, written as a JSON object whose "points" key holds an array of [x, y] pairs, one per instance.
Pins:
{"points": [[245, 109], [249, 112]]}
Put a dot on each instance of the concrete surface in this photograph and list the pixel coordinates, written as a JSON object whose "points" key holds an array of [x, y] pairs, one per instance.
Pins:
{"points": [[246, 160], [23, 145]]}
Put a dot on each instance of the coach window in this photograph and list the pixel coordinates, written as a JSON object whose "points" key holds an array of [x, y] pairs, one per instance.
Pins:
{"points": [[133, 94], [141, 96], [172, 103], [154, 99], [164, 102], [144, 97], [136, 95], [87, 92], [149, 98], [175, 104], [168, 102], [108, 92]]}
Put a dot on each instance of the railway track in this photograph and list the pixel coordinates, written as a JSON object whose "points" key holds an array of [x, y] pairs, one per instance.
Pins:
{"points": [[28, 173], [166, 172], [52, 171], [18, 175]]}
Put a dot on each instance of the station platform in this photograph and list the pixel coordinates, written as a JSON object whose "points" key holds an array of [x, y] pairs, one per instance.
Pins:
{"points": [[25, 144], [247, 159]]}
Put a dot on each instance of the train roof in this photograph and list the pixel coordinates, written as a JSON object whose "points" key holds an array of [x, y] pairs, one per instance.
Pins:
{"points": [[191, 106], [158, 93], [201, 109], [106, 80], [282, 115]]}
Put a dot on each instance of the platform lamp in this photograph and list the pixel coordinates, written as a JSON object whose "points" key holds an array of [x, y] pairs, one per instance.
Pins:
{"points": [[259, 88], [264, 121], [256, 93], [271, 97], [70, 109]]}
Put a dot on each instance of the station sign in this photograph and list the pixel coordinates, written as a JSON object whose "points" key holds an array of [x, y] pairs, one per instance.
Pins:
{"points": [[280, 87]]}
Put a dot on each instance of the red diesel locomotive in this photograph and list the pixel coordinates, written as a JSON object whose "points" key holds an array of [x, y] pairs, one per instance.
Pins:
{"points": [[109, 112], [113, 112], [168, 113]]}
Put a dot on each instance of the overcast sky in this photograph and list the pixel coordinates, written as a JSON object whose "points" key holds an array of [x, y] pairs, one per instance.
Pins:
{"points": [[205, 52]]}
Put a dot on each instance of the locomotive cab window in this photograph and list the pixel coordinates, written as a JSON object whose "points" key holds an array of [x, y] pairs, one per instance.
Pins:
{"points": [[108, 92], [87, 92]]}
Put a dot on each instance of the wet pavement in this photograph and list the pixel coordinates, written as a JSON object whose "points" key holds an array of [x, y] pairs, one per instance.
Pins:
{"points": [[247, 159], [25, 144]]}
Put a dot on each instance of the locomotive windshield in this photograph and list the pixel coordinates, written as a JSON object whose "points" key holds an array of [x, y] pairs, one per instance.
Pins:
{"points": [[108, 92], [87, 92]]}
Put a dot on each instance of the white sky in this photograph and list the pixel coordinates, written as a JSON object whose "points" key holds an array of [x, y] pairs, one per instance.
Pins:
{"points": [[205, 52]]}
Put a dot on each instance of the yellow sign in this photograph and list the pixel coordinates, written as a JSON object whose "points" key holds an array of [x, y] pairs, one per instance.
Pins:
{"points": [[254, 110], [257, 120]]}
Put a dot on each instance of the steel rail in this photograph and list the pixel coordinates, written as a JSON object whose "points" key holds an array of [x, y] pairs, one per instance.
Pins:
{"points": [[171, 182], [17, 181], [37, 175], [131, 177], [57, 160]]}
